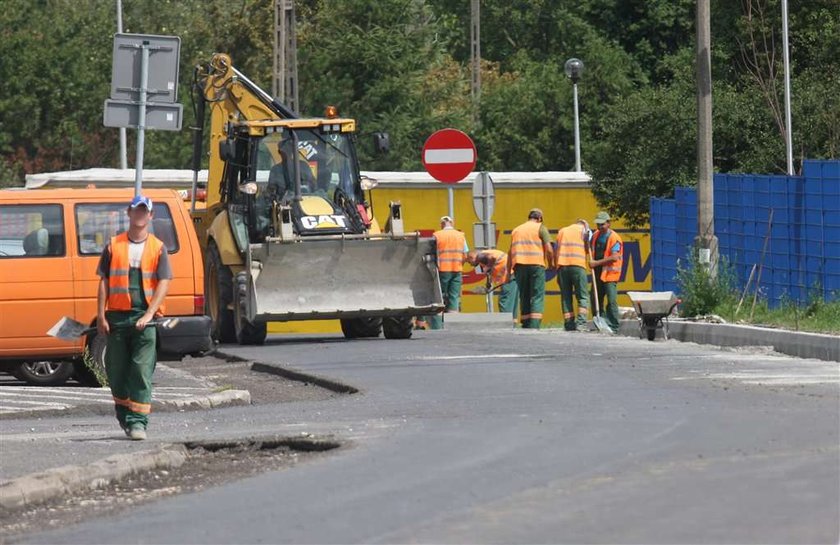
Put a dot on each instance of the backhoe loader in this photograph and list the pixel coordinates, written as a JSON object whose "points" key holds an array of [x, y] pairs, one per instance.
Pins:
{"points": [[286, 232]]}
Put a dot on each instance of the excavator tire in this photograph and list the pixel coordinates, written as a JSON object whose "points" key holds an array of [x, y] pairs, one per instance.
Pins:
{"points": [[397, 327], [246, 332], [218, 293], [359, 328]]}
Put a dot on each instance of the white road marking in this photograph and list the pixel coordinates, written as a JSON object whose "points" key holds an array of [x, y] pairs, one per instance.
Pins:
{"points": [[479, 357], [34, 398]]}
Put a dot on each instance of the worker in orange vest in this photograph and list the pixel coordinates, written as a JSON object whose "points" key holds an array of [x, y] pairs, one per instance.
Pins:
{"points": [[607, 262], [451, 252], [134, 276], [494, 264], [570, 262], [530, 251]]}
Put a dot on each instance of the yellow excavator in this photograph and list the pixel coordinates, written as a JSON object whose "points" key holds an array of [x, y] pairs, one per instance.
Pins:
{"points": [[287, 232]]}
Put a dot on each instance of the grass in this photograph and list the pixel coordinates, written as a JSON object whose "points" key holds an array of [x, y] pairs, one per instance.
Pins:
{"points": [[816, 316], [101, 377]]}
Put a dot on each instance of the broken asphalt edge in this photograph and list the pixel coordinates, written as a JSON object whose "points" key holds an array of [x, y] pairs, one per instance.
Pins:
{"points": [[799, 344], [37, 488], [225, 398], [291, 374]]}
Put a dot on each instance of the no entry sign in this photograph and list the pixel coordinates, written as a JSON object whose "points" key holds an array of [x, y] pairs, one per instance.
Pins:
{"points": [[449, 155]]}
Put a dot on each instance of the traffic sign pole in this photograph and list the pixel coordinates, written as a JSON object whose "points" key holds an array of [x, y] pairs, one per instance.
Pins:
{"points": [[141, 123]]}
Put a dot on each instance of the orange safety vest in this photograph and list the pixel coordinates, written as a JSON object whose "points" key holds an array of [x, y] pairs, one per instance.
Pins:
{"points": [[119, 297], [526, 246], [610, 272], [499, 272], [450, 250], [571, 250]]}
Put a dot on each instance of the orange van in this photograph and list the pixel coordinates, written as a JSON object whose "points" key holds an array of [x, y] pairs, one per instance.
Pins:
{"points": [[50, 243]]}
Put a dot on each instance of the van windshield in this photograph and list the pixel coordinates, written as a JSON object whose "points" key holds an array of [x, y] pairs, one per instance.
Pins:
{"points": [[97, 223]]}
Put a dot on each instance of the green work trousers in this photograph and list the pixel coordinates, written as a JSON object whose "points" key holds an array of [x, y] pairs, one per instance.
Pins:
{"points": [[531, 282], [450, 286], [509, 298], [573, 284], [610, 290], [130, 363]]}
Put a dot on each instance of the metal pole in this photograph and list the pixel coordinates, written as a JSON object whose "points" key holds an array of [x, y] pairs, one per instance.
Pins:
{"points": [[706, 240], [475, 49], [123, 145], [786, 50], [451, 201], [141, 120], [577, 128]]}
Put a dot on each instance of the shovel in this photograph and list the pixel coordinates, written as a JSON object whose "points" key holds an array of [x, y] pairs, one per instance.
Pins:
{"points": [[600, 322], [68, 329]]}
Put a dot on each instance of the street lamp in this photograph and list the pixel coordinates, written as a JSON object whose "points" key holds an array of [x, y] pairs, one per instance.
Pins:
{"points": [[574, 70]]}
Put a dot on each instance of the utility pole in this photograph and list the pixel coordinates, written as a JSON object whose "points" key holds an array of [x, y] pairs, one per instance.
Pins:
{"points": [[475, 52], [788, 124], [123, 149], [706, 240], [284, 83]]}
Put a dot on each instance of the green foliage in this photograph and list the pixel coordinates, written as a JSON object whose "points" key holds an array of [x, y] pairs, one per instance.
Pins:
{"points": [[95, 370], [402, 66], [701, 293]]}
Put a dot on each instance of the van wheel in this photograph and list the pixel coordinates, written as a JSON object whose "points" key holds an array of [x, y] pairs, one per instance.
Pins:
{"points": [[45, 373], [89, 370], [397, 327], [218, 292], [359, 328]]}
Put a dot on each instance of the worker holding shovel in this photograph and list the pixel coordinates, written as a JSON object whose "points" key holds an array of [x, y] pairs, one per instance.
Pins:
{"points": [[494, 264], [134, 276], [606, 263]]}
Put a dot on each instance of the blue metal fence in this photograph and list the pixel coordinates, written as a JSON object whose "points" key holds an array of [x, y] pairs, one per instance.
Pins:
{"points": [[803, 234]]}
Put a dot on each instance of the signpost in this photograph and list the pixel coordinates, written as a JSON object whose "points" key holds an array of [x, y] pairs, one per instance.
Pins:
{"points": [[484, 232], [144, 89], [449, 156]]}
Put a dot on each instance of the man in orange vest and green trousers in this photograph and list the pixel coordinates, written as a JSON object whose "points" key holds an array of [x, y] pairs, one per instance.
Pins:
{"points": [[134, 276], [608, 258], [570, 262], [494, 264], [451, 252], [530, 251]]}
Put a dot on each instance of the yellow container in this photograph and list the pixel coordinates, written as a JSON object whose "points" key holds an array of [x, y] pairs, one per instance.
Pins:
{"points": [[563, 197]]}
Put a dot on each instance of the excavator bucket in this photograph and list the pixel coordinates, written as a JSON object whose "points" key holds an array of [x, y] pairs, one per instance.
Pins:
{"points": [[344, 278]]}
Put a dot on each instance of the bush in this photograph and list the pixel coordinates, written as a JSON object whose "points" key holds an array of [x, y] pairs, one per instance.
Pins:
{"points": [[700, 292]]}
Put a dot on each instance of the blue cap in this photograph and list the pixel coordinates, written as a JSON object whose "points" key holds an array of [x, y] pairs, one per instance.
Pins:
{"points": [[140, 200]]}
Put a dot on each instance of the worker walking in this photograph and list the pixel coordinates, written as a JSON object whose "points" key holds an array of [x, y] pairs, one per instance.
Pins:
{"points": [[530, 251], [134, 276], [494, 264], [570, 262], [607, 262], [451, 252]]}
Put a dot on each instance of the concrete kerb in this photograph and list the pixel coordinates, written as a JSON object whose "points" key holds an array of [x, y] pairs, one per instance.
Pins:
{"points": [[40, 487], [225, 398], [793, 343]]}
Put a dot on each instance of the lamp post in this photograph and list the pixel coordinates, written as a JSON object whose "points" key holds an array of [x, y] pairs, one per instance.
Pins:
{"points": [[574, 70]]}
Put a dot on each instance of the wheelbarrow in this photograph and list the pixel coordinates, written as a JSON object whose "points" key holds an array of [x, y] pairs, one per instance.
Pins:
{"points": [[653, 309]]}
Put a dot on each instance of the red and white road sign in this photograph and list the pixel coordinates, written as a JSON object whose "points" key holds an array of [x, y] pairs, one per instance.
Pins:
{"points": [[449, 155]]}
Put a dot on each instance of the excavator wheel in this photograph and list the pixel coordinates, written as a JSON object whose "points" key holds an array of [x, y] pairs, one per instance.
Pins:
{"points": [[358, 328], [397, 327], [246, 332], [218, 293]]}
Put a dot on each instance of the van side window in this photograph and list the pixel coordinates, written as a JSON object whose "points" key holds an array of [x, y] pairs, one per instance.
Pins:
{"points": [[31, 230], [97, 223]]}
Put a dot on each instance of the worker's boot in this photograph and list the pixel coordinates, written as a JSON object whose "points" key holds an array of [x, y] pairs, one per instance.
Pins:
{"points": [[569, 325], [581, 321]]}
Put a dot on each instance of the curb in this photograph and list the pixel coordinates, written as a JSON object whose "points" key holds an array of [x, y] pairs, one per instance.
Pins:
{"points": [[792, 343], [40, 487], [300, 376], [226, 398]]}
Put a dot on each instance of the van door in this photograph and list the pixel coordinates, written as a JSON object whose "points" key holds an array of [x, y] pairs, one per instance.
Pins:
{"points": [[36, 280]]}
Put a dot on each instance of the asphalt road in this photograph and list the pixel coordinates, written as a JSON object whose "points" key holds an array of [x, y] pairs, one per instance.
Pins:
{"points": [[521, 436]]}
